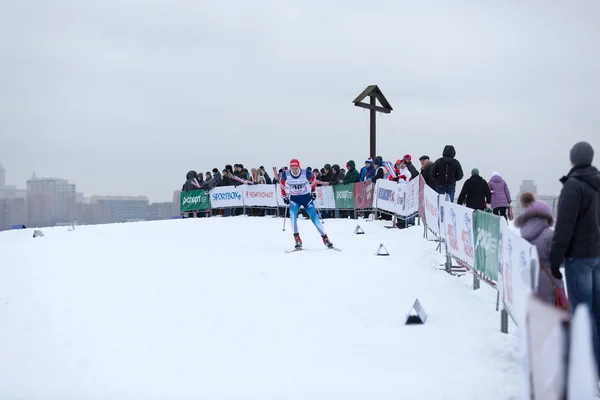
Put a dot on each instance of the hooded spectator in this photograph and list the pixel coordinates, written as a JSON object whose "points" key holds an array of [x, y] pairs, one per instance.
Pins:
{"points": [[476, 192], [535, 225], [368, 171], [576, 239], [191, 183], [500, 195], [352, 175], [200, 178], [447, 171], [336, 177], [426, 165], [411, 168]]}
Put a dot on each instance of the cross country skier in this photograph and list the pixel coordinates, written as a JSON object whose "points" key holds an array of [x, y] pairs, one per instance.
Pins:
{"points": [[301, 184]]}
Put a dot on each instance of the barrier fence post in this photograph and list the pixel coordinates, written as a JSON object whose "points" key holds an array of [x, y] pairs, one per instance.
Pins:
{"points": [[476, 283], [503, 319]]}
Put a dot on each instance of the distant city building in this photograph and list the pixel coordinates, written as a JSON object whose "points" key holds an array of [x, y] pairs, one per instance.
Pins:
{"points": [[176, 203], [528, 186], [158, 211], [2, 177], [50, 200], [12, 212], [121, 208]]}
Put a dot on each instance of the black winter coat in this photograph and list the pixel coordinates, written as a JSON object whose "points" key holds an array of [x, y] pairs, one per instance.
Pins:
{"points": [[413, 171], [446, 171], [477, 193], [577, 230]]}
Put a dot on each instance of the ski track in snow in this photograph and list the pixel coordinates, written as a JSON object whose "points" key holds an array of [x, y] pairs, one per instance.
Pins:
{"points": [[214, 308]]}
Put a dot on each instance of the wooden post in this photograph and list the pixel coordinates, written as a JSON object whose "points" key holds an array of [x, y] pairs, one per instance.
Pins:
{"points": [[373, 152], [375, 94]]}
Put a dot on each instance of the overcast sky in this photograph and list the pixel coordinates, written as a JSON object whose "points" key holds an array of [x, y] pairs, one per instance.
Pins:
{"points": [[123, 97]]}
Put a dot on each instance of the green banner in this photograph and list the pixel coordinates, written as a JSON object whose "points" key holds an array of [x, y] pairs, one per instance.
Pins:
{"points": [[487, 236], [198, 200], [344, 196]]}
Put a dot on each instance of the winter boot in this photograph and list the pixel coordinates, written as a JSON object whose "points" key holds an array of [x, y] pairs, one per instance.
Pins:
{"points": [[298, 240], [326, 241]]}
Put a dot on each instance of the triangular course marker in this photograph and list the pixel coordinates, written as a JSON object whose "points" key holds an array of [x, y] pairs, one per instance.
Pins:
{"points": [[382, 247], [359, 230], [418, 319], [38, 234]]}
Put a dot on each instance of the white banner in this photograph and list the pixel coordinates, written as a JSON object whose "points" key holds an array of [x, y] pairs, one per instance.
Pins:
{"points": [[460, 233], [325, 197], [280, 196], [259, 195], [385, 195], [401, 193], [411, 198], [432, 221], [226, 196], [514, 275]]}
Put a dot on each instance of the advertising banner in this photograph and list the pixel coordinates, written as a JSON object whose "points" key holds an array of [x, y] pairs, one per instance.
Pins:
{"points": [[197, 200], [226, 196], [364, 195], [259, 195], [487, 234], [460, 233], [515, 273], [325, 198], [344, 196], [386, 195], [431, 198]]}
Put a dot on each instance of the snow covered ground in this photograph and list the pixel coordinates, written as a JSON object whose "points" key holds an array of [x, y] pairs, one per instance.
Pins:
{"points": [[215, 309]]}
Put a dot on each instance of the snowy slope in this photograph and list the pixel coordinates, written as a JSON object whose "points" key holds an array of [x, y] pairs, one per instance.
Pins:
{"points": [[215, 309]]}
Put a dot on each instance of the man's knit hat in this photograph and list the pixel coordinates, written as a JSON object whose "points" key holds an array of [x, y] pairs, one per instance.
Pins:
{"points": [[582, 154]]}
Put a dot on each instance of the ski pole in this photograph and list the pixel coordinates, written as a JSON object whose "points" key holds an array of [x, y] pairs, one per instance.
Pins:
{"points": [[285, 218]]}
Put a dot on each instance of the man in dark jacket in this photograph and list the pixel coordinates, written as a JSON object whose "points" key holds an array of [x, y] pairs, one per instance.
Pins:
{"points": [[577, 235], [268, 180], [336, 175], [352, 175], [476, 191], [426, 165], [446, 171]]}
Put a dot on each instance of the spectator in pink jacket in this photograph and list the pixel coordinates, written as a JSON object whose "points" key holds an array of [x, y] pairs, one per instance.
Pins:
{"points": [[500, 195]]}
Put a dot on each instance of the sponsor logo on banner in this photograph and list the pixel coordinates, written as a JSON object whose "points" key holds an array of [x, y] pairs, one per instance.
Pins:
{"points": [[453, 231], [259, 195], [192, 200], [226, 196], [431, 208], [466, 237], [385, 194], [400, 200]]}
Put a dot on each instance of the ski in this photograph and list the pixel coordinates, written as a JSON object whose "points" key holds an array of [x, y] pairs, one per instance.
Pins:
{"points": [[303, 249]]}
